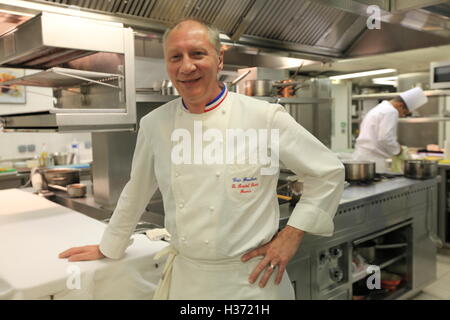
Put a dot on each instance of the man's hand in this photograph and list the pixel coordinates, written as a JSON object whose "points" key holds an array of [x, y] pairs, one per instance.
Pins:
{"points": [[83, 253], [277, 253]]}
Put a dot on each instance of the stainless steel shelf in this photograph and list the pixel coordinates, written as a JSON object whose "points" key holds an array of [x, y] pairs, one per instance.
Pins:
{"points": [[362, 274], [153, 97], [416, 119], [294, 100], [63, 77], [428, 93]]}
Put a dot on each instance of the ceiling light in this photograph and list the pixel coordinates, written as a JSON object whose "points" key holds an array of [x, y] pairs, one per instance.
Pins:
{"points": [[390, 81], [362, 74]]}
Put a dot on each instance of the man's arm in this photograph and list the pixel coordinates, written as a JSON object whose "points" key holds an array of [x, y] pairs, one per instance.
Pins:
{"points": [[130, 206], [323, 175], [387, 134]]}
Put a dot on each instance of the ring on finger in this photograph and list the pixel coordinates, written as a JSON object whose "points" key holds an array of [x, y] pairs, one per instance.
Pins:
{"points": [[272, 266]]}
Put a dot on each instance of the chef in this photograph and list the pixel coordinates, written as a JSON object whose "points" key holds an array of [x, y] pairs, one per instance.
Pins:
{"points": [[223, 217], [377, 139]]}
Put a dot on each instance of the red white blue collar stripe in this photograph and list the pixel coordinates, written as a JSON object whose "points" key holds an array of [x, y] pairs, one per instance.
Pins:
{"points": [[215, 102]]}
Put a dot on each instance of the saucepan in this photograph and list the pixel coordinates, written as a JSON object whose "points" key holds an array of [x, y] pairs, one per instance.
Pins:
{"points": [[358, 170], [61, 176], [421, 169], [287, 88], [75, 190], [260, 88]]}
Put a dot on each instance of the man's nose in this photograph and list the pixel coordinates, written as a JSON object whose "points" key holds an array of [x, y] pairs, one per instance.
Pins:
{"points": [[187, 65]]}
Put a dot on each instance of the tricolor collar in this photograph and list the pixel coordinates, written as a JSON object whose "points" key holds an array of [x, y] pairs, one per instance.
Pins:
{"points": [[215, 102]]}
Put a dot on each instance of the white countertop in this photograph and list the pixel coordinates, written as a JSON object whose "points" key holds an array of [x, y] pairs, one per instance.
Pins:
{"points": [[34, 230]]}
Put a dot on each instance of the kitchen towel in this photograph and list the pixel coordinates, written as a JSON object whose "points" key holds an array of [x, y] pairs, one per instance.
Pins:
{"points": [[158, 234]]}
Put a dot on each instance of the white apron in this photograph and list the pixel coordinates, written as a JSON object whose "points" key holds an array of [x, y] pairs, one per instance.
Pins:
{"points": [[225, 279]]}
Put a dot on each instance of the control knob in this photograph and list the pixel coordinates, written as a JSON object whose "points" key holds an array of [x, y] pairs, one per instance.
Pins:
{"points": [[336, 274], [336, 252]]}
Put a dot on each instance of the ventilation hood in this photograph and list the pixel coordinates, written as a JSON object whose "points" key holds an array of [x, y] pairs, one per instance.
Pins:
{"points": [[323, 30]]}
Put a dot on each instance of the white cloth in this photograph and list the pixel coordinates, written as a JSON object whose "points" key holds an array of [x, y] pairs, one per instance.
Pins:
{"points": [[414, 98], [158, 234], [208, 219], [377, 139], [34, 230]]}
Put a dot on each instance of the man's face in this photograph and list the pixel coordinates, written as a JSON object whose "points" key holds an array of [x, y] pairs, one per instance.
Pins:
{"points": [[404, 111], [192, 62]]}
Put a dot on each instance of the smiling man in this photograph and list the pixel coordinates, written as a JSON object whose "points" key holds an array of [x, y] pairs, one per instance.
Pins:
{"points": [[223, 217]]}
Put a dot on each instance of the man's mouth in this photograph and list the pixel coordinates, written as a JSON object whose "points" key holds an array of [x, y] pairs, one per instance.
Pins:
{"points": [[189, 81]]}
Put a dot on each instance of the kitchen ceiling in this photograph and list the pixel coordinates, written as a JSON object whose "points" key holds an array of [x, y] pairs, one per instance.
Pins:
{"points": [[324, 29], [321, 30]]}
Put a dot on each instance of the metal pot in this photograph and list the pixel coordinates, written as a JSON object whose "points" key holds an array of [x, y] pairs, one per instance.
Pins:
{"points": [[76, 190], [168, 89], [287, 88], [260, 88], [356, 170], [368, 251], [62, 158], [421, 169], [62, 176]]}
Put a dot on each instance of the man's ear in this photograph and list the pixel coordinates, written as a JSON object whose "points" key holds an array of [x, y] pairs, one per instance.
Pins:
{"points": [[220, 66]]}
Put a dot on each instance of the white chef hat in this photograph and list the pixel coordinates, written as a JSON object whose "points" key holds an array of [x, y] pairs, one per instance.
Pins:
{"points": [[414, 98]]}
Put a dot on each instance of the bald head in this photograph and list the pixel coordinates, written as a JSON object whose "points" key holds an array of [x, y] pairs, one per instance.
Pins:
{"points": [[213, 33]]}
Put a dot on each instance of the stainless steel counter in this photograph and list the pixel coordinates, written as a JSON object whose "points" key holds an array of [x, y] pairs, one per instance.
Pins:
{"points": [[363, 211], [360, 193]]}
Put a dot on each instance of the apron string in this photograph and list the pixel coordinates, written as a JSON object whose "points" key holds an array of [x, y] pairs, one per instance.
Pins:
{"points": [[163, 288]]}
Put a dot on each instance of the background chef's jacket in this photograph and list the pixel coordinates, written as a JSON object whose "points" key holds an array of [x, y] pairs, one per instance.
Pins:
{"points": [[377, 139], [206, 215]]}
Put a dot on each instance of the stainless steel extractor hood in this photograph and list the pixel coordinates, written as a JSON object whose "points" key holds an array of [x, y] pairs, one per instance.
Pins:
{"points": [[320, 30], [88, 63]]}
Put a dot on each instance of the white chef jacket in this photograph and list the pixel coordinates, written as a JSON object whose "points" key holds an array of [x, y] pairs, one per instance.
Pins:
{"points": [[208, 219], [377, 139]]}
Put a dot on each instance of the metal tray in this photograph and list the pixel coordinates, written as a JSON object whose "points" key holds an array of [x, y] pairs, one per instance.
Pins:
{"points": [[62, 77]]}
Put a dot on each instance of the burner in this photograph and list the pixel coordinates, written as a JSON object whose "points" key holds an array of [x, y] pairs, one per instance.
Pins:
{"points": [[386, 176], [362, 182]]}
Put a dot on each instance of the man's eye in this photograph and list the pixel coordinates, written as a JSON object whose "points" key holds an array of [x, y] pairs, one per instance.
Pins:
{"points": [[199, 53], [175, 57]]}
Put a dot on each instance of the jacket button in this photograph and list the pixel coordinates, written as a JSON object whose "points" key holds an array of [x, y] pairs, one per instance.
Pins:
{"points": [[183, 239], [181, 205], [217, 174], [223, 111], [211, 208], [176, 174], [206, 241]]}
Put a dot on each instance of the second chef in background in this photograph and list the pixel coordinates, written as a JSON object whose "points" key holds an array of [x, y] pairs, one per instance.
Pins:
{"points": [[377, 139]]}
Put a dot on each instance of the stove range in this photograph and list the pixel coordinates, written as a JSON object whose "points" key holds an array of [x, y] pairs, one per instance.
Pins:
{"points": [[377, 178]]}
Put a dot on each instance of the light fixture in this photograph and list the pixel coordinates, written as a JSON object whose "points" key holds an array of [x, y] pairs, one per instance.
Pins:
{"points": [[362, 74], [390, 81]]}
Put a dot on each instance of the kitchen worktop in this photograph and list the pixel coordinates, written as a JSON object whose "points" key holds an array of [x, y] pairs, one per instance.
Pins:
{"points": [[34, 230], [354, 193]]}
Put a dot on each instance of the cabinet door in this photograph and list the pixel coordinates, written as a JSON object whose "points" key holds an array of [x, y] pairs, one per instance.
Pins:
{"points": [[299, 273], [424, 250]]}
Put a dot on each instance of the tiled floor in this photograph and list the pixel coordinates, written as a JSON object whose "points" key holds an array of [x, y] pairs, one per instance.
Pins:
{"points": [[440, 289]]}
